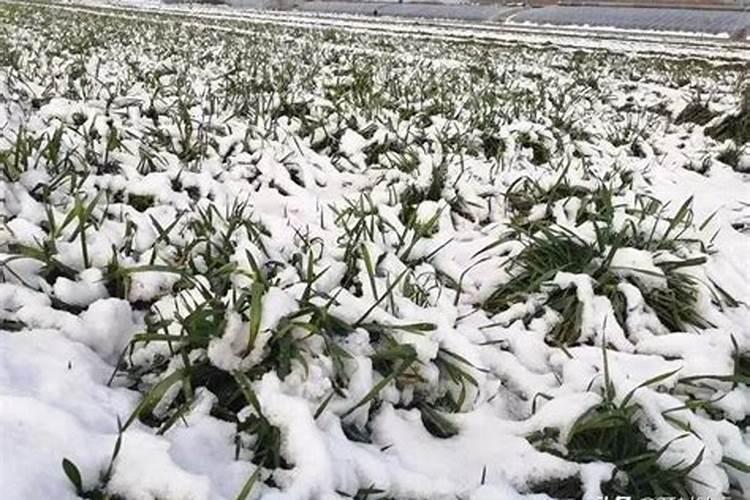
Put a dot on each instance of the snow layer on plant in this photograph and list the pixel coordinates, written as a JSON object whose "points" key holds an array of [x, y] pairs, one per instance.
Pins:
{"points": [[192, 196]]}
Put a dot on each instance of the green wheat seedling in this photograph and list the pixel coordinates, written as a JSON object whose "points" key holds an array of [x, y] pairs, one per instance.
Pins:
{"points": [[549, 249], [139, 136]]}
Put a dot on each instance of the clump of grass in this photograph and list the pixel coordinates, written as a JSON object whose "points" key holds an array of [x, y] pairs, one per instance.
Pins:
{"points": [[140, 202], [567, 487], [696, 112], [541, 154], [550, 249], [730, 155], [18, 159], [526, 193], [630, 130], [266, 446], [734, 126], [548, 252], [611, 432]]}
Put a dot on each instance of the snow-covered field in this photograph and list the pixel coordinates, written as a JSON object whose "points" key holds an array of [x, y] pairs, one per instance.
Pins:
{"points": [[278, 257], [677, 19]]}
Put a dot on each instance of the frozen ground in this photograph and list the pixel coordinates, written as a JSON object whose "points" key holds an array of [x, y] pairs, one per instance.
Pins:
{"points": [[310, 257]]}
